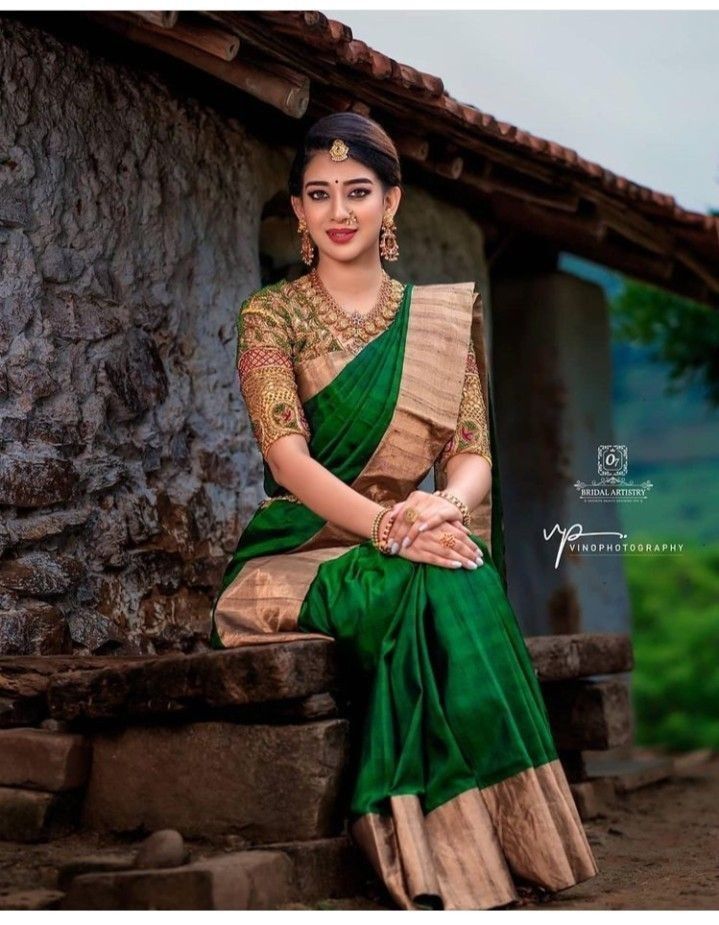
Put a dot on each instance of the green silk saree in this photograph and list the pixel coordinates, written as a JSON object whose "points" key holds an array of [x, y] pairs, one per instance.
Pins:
{"points": [[456, 784]]}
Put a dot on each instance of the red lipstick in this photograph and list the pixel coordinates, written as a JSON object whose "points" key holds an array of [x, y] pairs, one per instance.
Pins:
{"points": [[341, 235]]}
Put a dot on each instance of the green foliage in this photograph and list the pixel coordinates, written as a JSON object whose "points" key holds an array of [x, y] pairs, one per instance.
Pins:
{"points": [[682, 333], [675, 604]]}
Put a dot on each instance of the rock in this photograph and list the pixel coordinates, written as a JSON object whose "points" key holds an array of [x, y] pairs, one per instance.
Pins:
{"points": [[137, 373], [34, 628], [35, 482], [41, 573], [164, 848]]}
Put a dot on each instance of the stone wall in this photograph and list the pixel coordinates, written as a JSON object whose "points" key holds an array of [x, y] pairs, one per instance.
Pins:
{"points": [[130, 224]]}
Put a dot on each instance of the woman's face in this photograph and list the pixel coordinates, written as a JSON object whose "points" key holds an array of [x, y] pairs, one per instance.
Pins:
{"points": [[331, 192]]}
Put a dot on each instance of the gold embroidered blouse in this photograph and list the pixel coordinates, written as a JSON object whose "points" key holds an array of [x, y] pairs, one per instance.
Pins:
{"points": [[285, 323], [471, 434]]}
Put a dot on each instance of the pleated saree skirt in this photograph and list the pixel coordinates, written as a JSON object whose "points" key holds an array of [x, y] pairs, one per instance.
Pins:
{"points": [[456, 780], [456, 786]]}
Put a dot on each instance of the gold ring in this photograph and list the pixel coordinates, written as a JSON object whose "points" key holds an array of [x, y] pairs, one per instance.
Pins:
{"points": [[448, 539], [410, 514]]}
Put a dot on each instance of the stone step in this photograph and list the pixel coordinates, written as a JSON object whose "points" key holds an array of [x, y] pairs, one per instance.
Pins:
{"points": [[173, 684], [266, 782], [86, 687], [591, 714], [319, 869], [564, 656], [24, 680], [100, 862], [38, 759], [242, 880], [36, 816], [21, 711], [593, 798], [327, 868], [630, 773]]}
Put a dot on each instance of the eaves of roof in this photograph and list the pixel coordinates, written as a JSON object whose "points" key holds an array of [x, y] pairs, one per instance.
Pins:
{"points": [[305, 65]]}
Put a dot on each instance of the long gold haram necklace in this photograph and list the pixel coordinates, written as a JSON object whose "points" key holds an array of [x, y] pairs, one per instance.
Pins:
{"points": [[360, 323]]}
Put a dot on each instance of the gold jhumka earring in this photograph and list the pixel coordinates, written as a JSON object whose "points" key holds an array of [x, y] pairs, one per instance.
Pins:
{"points": [[307, 248], [388, 247]]}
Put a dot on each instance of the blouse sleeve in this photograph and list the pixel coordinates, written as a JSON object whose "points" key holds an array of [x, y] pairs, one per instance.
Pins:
{"points": [[472, 433], [264, 364]]}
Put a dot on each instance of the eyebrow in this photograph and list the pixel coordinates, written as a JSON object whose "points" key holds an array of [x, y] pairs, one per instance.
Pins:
{"points": [[325, 183]]}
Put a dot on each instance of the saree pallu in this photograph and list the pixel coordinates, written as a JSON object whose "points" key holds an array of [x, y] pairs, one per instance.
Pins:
{"points": [[457, 788]]}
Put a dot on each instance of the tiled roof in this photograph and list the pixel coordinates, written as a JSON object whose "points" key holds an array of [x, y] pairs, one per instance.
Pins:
{"points": [[316, 30], [522, 182]]}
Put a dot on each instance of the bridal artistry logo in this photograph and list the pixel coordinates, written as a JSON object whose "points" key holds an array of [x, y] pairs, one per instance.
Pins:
{"points": [[611, 485], [574, 540]]}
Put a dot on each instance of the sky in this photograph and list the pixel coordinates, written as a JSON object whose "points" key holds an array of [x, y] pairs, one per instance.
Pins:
{"points": [[635, 91]]}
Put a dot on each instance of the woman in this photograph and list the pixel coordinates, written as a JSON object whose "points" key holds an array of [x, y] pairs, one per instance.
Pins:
{"points": [[356, 386]]}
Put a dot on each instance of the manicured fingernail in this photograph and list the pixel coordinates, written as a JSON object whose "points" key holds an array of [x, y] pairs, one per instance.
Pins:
{"points": [[456, 565], [395, 547], [471, 565], [405, 542], [422, 527]]}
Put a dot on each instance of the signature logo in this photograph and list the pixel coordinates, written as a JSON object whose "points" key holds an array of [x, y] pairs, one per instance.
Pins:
{"points": [[612, 461], [572, 534], [574, 538]]}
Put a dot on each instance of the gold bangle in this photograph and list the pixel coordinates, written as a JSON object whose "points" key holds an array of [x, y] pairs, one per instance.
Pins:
{"points": [[377, 541], [458, 503]]}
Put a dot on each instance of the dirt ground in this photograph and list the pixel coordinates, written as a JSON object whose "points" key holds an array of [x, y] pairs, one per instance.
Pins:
{"points": [[657, 848]]}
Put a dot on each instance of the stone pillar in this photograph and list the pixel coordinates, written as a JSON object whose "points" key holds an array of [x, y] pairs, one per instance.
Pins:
{"points": [[552, 386]]}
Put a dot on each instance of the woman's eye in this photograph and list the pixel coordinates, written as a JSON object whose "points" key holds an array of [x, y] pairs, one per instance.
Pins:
{"points": [[365, 192]]}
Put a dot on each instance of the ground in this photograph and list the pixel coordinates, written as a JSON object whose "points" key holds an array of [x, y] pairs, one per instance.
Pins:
{"points": [[656, 849]]}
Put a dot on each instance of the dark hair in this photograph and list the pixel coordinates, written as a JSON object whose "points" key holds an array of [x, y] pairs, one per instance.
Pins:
{"points": [[368, 143]]}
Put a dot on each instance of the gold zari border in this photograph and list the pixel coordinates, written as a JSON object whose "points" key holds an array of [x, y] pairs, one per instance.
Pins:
{"points": [[464, 853]]}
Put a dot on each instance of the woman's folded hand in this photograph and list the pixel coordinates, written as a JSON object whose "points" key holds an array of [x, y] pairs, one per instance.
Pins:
{"points": [[428, 547]]}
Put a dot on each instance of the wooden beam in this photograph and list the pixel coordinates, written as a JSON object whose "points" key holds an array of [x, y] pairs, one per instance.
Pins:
{"points": [[288, 92], [411, 146], [446, 166], [165, 19], [544, 195], [218, 42]]}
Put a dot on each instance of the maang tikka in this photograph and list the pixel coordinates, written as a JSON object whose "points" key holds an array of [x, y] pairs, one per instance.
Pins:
{"points": [[388, 247]]}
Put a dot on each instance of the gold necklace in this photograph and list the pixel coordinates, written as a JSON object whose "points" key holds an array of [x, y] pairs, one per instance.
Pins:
{"points": [[361, 324]]}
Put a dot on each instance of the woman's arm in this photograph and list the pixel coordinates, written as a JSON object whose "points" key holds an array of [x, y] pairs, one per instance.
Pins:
{"points": [[469, 478], [292, 467]]}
